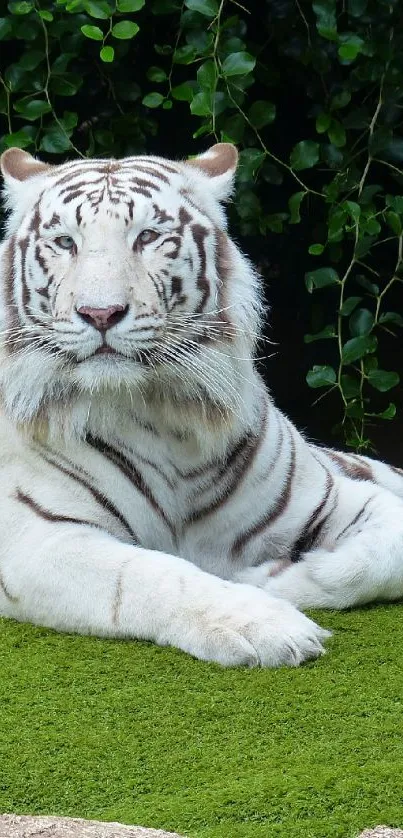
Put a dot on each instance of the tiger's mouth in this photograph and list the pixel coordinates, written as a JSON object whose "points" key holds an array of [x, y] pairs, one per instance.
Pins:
{"points": [[138, 357], [106, 350]]}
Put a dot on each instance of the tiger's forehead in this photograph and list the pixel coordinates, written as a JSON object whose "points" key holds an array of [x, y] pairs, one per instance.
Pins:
{"points": [[149, 172], [115, 187]]}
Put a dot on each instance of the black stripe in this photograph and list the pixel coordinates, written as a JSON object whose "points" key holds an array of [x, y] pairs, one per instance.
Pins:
{"points": [[312, 529], [51, 516], [355, 519], [275, 511], [100, 498], [236, 465], [130, 471]]}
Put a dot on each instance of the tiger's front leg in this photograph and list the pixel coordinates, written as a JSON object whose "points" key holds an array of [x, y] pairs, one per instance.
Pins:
{"points": [[75, 577], [359, 557]]}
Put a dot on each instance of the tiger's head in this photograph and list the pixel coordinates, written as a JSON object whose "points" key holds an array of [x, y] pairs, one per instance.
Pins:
{"points": [[119, 275]]}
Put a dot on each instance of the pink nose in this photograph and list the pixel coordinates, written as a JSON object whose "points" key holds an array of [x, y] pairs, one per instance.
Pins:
{"points": [[102, 318]]}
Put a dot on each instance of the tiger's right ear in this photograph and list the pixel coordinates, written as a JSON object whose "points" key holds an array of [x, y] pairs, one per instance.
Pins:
{"points": [[19, 170], [17, 166]]}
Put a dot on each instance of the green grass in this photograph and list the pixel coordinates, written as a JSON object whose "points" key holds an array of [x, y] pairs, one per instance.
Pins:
{"points": [[135, 733]]}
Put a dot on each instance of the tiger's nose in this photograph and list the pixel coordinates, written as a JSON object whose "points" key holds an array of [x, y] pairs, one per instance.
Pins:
{"points": [[103, 318]]}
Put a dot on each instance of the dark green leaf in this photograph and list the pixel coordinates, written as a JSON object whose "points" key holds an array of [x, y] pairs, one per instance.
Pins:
{"points": [[21, 7], [262, 113], [250, 160], [321, 376], [67, 84], [353, 209], [248, 205], [337, 134], [156, 74], [201, 104], [356, 8], [32, 109], [361, 322], [208, 8], [316, 249], [357, 348], [369, 192], [15, 77], [31, 59], [349, 305], [350, 386], [321, 278], [294, 205], [340, 100], [395, 202], [55, 141], [185, 54], [69, 120], [367, 284], [92, 32], [332, 156], [304, 155], [5, 28], [238, 64], [327, 332], [350, 47], [364, 246], [326, 23], [98, 9], [273, 222], [233, 129], [370, 362], [389, 413], [104, 138], [20, 139], [107, 54], [394, 222], [207, 76], [153, 100], [355, 409], [130, 5], [382, 380], [391, 317], [323, 121], [183, 92], [125, 30]]}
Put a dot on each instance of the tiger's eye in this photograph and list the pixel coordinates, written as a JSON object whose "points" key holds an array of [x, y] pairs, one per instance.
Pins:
{"points": [[65, 242], [147, 236]]}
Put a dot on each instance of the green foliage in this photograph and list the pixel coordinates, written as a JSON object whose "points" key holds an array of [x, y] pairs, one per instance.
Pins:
{"points": [[99, 77]]}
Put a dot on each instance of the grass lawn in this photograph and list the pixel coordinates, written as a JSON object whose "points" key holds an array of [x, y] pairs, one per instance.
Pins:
{"points": [[131, 732]]}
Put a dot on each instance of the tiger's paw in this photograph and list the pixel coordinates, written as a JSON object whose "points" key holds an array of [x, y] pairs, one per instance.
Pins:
{"points": [[249, 628]]}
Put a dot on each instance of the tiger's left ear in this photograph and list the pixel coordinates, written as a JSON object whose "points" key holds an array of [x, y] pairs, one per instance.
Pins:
{"points": [[219, 164]]}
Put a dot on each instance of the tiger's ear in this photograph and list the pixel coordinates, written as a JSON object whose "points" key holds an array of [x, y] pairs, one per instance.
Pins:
{"points": [[219, 164], [17, 165]]}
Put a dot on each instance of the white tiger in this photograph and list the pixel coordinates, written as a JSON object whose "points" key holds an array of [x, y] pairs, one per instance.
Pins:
{"points": [[150, 488]]}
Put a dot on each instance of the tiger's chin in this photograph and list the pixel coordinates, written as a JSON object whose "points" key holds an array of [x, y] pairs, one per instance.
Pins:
{"points": [[108, 369]]}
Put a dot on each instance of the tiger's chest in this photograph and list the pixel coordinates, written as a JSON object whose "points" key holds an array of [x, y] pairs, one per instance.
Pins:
{"points": [[147, 491]]}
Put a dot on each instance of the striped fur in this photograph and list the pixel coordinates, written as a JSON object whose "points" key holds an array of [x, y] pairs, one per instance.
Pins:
{"points": [[150, 487]]}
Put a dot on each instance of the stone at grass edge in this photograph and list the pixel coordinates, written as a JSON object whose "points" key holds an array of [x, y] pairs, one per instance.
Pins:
{"points": [[25, 826]]}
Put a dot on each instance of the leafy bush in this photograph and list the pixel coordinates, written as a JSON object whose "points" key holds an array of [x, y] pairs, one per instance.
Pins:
{"points": [[311, 92]]}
